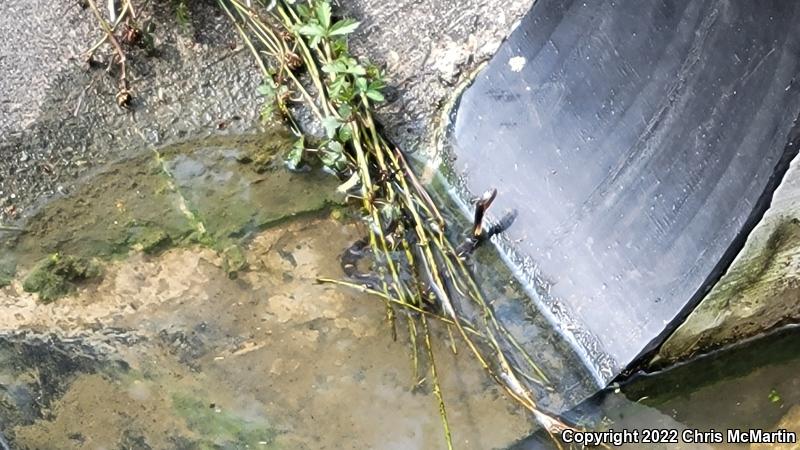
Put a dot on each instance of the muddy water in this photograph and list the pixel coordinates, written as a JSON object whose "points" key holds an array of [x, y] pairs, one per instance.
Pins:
{"points": [[268, 360]]}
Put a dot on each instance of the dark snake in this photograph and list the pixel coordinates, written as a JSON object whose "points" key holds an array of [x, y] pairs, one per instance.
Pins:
{"points": [[477, 236]]}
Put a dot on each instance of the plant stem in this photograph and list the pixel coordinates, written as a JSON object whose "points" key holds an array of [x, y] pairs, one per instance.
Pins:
{"points": [[123, 82]]}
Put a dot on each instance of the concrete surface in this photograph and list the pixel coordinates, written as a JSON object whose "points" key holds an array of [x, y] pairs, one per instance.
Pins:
{"points": [[428, 47], [759, 292], [58, 120]]}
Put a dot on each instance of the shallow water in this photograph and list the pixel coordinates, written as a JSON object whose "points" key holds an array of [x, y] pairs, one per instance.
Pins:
{"points": [[175, 346], [752, 386], [208, 329], [270, 357]]}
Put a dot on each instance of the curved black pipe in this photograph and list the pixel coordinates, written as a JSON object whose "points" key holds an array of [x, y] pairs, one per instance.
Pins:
{"points": [[640, 142]]}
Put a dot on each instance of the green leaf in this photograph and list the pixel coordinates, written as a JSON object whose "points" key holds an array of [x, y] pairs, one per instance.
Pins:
{"points": [[323, 11], [311, 29], [295, 155], [345, 111], [337, 66], [375, 95], [355, 68], [390, 212], [331, 125], [182, 15], [333, 156], [343, 27], [335, 147], [345, 133], [337, 87], [266, 89], [361, 84], [374, 72], [339, 46], [304, 11], [267, 110], [377, 85], [774, 397]]}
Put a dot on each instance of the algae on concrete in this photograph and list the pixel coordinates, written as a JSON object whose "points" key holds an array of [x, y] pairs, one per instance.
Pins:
{"points": [[220, 429], [128, 204], [234, 261], [216, 191], [237, 187], [150, 239], [8, 267], [759, 292], [56, 275]]}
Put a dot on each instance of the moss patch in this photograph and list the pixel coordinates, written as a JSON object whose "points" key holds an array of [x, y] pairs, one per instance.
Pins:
{"points": [[214, 192], [55, 276], [234, 261], [221, 429]]}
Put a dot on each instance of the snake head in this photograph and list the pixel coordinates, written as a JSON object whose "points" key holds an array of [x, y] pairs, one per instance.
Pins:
{"points": [[481, 206]]}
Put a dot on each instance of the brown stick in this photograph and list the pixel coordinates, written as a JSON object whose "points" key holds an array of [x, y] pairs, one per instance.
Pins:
{"points": [[123, 96]]}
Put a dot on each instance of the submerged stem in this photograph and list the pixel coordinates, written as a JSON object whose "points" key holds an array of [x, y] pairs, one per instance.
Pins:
{"points": [[437, 390], [423, 250]]}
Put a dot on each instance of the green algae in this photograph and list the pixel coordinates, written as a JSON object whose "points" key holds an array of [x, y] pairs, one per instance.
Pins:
{"points": [[8, 259], [8, 268], [150, 240], [234, 261], [129, 204], [221, 429], [56, 275], [239, 187], [215, 192], [264, 156]]}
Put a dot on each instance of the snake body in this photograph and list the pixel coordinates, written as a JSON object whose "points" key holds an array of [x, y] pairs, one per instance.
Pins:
{"points": [[478, 235]]}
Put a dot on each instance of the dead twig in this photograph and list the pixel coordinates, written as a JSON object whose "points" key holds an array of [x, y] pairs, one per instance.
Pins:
{"points": [[124, 95]]}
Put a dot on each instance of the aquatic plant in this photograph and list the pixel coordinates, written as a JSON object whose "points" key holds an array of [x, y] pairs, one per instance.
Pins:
{"points": [[217, 429], [303, 54], [55, 275]]}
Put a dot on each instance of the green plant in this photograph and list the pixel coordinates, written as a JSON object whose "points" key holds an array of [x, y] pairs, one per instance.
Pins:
{"points": [[56, 275], [401, 217], [774, 396], [182, 14]]}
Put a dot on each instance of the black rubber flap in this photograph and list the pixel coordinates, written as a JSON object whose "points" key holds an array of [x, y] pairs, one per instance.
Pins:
{"points": [[639, 141]]}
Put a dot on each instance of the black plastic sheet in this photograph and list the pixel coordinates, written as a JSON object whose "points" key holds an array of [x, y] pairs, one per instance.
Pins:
{"points": [[639, 142]]}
